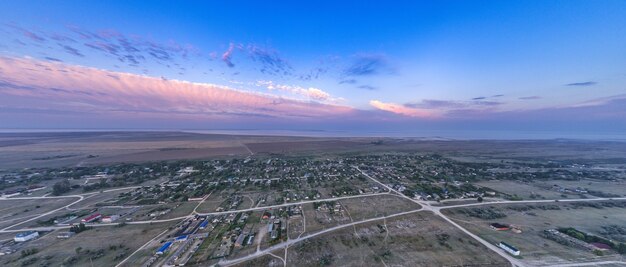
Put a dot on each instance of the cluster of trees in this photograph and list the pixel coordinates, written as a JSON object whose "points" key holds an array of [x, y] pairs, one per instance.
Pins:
{"points": [[95, 186], [29, 251], [61, 187], [79, 228], [484, 213], [618, 246]]}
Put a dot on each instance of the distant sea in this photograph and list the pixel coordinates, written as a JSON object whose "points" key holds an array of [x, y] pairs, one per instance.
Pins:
{"points": [[424, 134]]}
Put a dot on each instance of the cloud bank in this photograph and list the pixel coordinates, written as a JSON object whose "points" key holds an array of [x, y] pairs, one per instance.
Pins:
{"points": [[310, 93], [25, 81], [402, 110]]}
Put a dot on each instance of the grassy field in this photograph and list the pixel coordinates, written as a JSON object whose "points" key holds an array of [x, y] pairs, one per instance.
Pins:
{"points": [[523, 190], [25, 150], [266, 260], [211, 203], [13, 211], [419, 239], [376, 206], [99, 246], [611, 187]]}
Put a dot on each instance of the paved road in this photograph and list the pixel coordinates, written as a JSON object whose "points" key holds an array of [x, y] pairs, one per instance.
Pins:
{"points": [[288, 204]]}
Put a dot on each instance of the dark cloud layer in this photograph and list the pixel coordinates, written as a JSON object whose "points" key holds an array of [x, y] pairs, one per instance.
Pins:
{"points": [[227, 56], [348, 81], [589, 83], [366, 65], [271, 62], [128, 50], [71, 50], [367, 87]]}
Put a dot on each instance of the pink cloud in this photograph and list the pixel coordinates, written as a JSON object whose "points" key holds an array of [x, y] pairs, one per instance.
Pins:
{"points": [[402, 110], [83, 89], [311, 92]]}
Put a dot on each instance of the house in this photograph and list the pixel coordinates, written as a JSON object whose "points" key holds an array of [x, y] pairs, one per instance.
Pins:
{"points": [[600, 246], [239, 243], [195, 199], [25, 236], [499, 227], [508, 248], [110, 219], [92, 218]]}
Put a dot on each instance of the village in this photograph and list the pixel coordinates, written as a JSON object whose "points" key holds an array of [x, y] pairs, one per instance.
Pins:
{"points": [[218, 211]]}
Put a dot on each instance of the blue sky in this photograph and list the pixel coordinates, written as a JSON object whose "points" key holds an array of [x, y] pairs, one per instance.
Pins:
{"points": [[405, 66]]}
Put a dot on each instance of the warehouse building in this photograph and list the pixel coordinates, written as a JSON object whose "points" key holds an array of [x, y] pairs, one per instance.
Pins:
{"points": [[92, 218], [510, 249], [164, 248]]}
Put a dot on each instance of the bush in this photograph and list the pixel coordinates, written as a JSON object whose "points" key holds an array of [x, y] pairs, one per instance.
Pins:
{"points": [[27, 252]]}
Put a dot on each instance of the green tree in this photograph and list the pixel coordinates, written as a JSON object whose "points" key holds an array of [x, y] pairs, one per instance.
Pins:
{"points": [[61, 187]]}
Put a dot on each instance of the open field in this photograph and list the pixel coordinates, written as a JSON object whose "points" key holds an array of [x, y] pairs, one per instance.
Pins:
{"points": [[14, 211], [267, 260], [537, 250], [23, 150], [377, 206], [94, 148], [544, 189], [523, 190], [211, 203], [100, 246], [99, 198], [412, 240], [305, 145], [617, 187]]}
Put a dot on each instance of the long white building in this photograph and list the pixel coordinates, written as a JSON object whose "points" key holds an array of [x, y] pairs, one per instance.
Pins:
{"points": [[25, 236]]}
